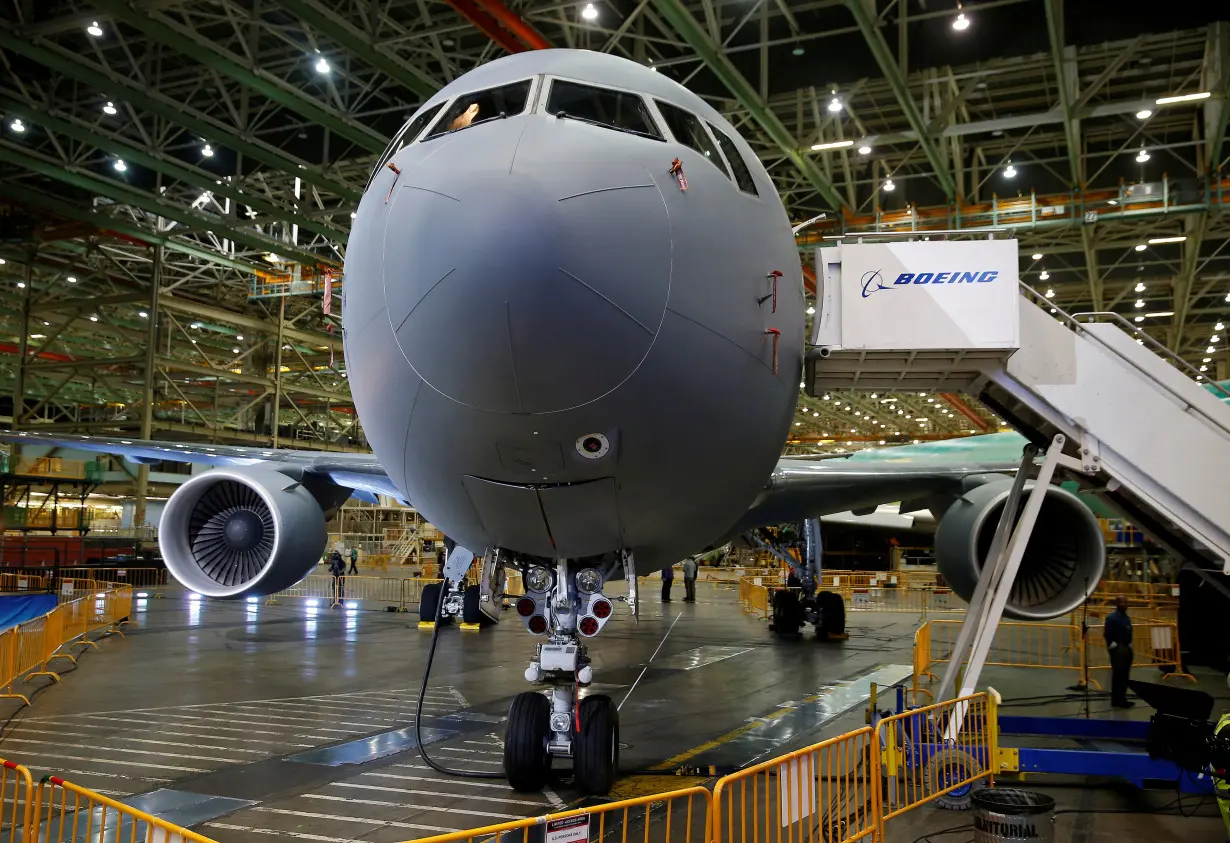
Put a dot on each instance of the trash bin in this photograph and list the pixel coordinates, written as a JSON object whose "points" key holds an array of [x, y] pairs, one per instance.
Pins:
{"points": [[1009, 814]]}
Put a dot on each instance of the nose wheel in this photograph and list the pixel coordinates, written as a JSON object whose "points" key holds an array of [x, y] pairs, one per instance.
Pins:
{"points": [[595, 762], [526, 760]]}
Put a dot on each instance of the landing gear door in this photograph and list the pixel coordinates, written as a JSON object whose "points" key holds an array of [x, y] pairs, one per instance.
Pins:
{"points": [[583, 518]]}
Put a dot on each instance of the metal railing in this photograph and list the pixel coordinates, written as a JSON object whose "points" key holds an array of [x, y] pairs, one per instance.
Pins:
{"points": [[16, 803], [67, 813]]}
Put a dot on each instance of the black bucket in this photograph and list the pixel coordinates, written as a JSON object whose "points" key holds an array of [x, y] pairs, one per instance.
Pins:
{"points": [[1011, 815]]}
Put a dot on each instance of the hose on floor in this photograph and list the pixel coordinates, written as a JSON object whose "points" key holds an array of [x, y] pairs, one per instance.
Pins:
{"points": [[418, 714]]}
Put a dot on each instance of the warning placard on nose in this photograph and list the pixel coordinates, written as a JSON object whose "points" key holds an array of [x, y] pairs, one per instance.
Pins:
{"points": [[568, 830]]}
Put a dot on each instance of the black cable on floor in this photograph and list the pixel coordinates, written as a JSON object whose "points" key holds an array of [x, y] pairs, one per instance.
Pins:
{"points": [[418, 714]]}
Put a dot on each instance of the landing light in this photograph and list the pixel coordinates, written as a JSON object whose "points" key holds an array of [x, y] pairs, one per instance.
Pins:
{"points": [[589, 581], [539, 579]]}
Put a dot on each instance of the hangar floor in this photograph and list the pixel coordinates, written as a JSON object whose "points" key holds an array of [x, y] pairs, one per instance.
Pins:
{"points": [[290, 721]]}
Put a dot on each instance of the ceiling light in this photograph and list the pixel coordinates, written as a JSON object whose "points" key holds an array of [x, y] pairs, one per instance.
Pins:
{"points": [[1141, 247], [816, 147], [143, 314], [21, 285], [70, 279], [1210, 350], [589, 12], [864, 150], [1140, 302], [93, 318], [1220, 326], [1207, 360], [109, 108], [94, 29], [1153, 241], [835, 105], [826, 397], [1140, 288], [1160, 314], [353, 215], [888, 186], [1204, 368], [17, 125], [239, 338], [38, 336], [1043, 275], [1037, 256], [1054, 310], [1112, 201], [207, 151], [1144, 114], [1010, 172], [1139, 319], [811, 311], [1203, 95], [235, 350], [796, 424], [322, 65], [961, 23], [1215, 338], [1143, 155]]}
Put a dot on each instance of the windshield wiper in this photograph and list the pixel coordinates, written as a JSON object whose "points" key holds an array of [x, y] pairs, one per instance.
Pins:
{"points": [[592, 122]]}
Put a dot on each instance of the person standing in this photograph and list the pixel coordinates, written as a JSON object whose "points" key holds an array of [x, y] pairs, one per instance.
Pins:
{"points": [[1118, 634], [689, 579], [668, 579], [337, 567], [354, 561]]}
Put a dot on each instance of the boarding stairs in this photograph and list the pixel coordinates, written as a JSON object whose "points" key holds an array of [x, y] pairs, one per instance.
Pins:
{"points": [[1138, 427]]}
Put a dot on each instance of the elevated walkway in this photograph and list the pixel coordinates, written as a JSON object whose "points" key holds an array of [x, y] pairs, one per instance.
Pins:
{"points": [[1149, 438]]}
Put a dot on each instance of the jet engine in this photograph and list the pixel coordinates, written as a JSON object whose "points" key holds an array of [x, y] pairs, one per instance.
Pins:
{"points": [[1063, 560], [235, 532]]}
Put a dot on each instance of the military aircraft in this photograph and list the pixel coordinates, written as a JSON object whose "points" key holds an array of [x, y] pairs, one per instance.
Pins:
{"points": [[574, 331]]}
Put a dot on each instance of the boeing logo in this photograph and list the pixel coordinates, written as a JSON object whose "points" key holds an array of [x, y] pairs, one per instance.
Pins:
{"points": [[873, 281]]}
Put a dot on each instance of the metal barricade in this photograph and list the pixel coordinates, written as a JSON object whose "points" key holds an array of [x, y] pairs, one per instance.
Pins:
{"points": [[918, 601], [922, 661], [825, 793], [680, 816], [356, 587], [1049, 645], [16, 803], [412, 590], [936, 750], [23, 582], [66, 813], [1154, 644]]}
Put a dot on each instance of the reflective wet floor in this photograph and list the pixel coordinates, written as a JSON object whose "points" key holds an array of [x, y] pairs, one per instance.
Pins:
{"points": [[296, 722]]}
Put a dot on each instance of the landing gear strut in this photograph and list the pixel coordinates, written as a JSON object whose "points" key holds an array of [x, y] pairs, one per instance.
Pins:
{"points": [[566, 604]]}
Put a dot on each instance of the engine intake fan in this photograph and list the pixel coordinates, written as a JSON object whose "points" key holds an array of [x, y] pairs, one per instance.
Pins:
{"points": [[1063, 560], [235, 532]]}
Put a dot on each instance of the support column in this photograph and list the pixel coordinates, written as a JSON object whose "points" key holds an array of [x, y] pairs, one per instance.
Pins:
{"points": [[23, 343], [147, 401], [277, 369]]}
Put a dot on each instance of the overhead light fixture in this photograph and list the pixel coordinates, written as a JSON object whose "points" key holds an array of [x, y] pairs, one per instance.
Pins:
{"points": [[93, 318], [834, 104], [17, 125], [94, 29], [889, 187], [1160, 314], [207, 151], [589, 12], [1050, 293], [1112, 201], [70, 279], [1140, 302], [1144, 114], [1204, 368], [1043, 275], [1220, 326], [109, 108], [21, 285], [1141, 247], [816, 147], [119, 165], [864, 150], [1140, 288], [353, 215], [961, 23], [1143, 155], [143, 314], [322, 65], [811, 311], [1203, 95], [1139, 319], [1010, 172], [798, 50], [1210, 350], [239, 337], [1153, 241], [235, 350], [1207, 360], [1037, 256], [1215, 338]]}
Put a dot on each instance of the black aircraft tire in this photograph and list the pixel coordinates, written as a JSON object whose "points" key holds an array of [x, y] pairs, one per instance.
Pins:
{"points": [[470, 611], [428, 603], [595, 761], [787, 613], [832, 613], [526, 762]]}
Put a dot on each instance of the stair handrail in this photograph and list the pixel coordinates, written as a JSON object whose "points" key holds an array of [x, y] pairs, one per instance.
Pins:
{"points": [[1078, 326]]}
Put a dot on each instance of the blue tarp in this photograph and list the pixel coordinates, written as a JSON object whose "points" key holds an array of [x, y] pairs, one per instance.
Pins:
{"points": [[17, 608]]}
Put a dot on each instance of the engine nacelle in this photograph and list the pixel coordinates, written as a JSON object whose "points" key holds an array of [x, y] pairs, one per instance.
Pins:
{"points": [[1063, 561], [235, 532]]}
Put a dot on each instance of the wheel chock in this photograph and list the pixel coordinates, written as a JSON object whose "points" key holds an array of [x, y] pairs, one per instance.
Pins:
{"points": [[470, 627], [427, 624]]}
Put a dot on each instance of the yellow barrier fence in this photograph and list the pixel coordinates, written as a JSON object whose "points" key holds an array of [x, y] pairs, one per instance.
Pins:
{"points": [[680, 816], [16, 803], [932, 751], [387, 590], [23, 582], [826, 792], [136, 577], [66, 813]]}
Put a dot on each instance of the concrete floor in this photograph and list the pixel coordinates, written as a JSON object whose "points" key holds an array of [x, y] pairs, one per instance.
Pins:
{"points": [[290, 722]]}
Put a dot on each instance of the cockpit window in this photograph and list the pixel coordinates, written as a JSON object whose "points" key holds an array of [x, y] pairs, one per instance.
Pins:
{"points": [[408, 134], [618, 110], [743, 176], [479, 107], [689, 131]]}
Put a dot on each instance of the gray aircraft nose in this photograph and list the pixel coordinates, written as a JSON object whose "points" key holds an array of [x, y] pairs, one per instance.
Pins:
{"points": [[527, 264]]}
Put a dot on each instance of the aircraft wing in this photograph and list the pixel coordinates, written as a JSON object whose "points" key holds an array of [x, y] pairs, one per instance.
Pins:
{"points": [[359, 472]]}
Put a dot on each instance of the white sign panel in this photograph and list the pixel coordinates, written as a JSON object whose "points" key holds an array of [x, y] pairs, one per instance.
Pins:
{"points": [[568, 830], [929, 295], [795, 780]]}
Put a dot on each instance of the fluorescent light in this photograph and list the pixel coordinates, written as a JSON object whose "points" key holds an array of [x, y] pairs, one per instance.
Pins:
{"points": [[1141, 247], [864, 150], [1160, 314], [889, 187], [1153, 241], [1144, 114], [109, 108], [322, 65], [94, 29], [816, 147], [1036, 256], [589, 12], [1203, 95], [961, 23]]}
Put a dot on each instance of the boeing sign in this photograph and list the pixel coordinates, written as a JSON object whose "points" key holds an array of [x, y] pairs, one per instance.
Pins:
{"points": [[873, 281]]}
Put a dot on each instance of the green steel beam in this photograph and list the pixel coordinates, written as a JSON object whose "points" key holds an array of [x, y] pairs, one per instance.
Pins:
{"points": [[1063, 80], [359, 44], [258, 80], [78, 177], [865, 18], [39, 199], [123, 88], [1218, 113], [681, 19], [70, 127]]}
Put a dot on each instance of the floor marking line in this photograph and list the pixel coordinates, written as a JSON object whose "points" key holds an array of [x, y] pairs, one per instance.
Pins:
{"points": [[379, 803], [297, 835], [128, 751], [122, 763], [317, 816], [412, 792], [119, 736], [441, 780], [648, 663]]}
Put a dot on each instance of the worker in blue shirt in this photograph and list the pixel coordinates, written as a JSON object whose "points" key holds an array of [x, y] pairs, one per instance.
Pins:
{"points": [[1118, 634]]}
